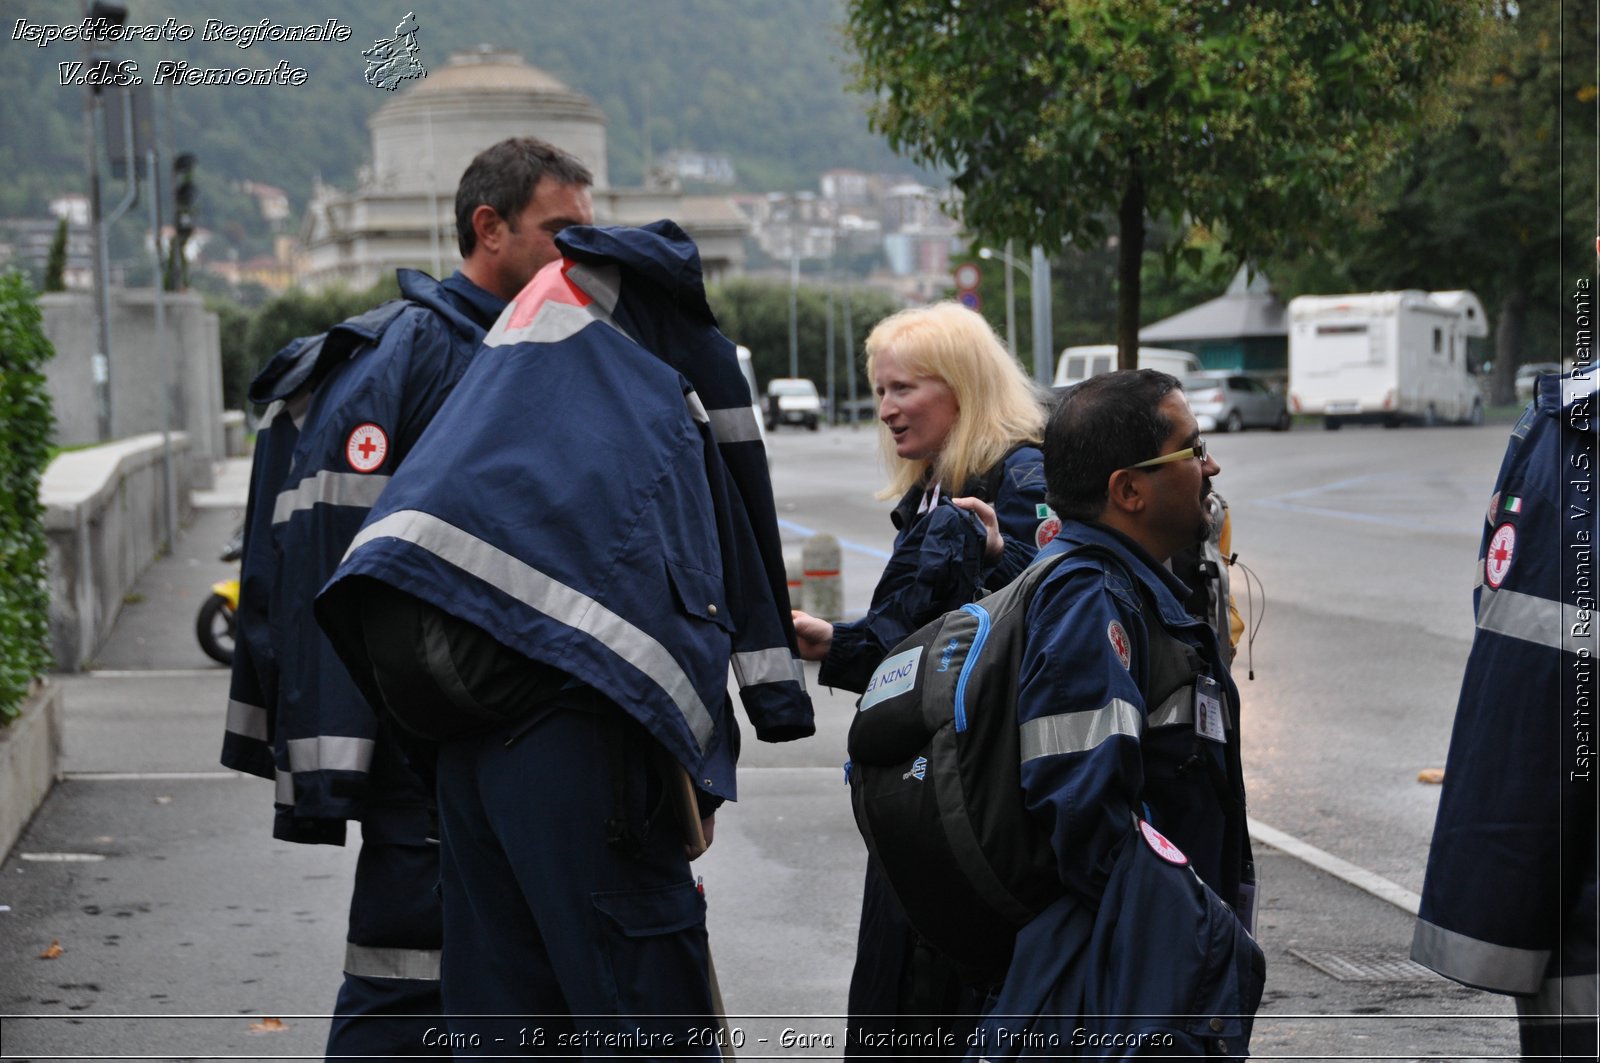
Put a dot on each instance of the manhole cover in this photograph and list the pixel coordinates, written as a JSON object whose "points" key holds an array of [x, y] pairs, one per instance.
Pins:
{"points": [[1364, 966]]}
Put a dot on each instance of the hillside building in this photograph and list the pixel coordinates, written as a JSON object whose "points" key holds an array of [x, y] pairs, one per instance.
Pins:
{"points": [[402, 212]]}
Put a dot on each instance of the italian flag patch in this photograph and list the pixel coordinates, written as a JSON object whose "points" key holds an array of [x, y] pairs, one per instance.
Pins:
{"points": [[1513, 504]]}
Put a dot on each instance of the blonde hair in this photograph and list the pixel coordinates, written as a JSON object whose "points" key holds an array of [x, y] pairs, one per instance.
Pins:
{"points": [[997, 406]]}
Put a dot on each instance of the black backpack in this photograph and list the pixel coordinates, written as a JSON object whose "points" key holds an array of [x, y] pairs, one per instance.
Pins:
{"points": [[935, 774]]}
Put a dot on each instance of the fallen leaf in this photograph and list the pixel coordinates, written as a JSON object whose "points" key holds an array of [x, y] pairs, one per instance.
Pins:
{"points": [[52, 952], [268, 1025], [1434, 776], [163, 800]]}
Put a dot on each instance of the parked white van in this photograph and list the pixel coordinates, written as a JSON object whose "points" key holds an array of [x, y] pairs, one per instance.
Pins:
{"points": [[1386, 357], [1078, 364]]}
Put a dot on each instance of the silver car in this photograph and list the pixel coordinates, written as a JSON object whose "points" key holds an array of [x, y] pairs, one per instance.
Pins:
{"points": [[1233, 402]]}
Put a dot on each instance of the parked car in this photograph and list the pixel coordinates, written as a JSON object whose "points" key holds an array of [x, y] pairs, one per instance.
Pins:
{"points": [[793, 400], [1528, 374], [1234, 402]]}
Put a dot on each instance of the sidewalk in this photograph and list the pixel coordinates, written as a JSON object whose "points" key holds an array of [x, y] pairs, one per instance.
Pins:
{"points": [[154, 869]]}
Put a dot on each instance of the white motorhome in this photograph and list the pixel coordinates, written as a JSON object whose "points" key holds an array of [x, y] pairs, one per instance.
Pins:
{"points": [[1078, 364], [1386, 357]]}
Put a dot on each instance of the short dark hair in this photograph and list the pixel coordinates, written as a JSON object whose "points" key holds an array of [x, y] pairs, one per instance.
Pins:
{"points": [[504, 177], [1106, 423]]}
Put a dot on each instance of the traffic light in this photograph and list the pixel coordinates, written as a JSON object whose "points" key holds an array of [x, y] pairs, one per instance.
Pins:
{"points": [[183, 197]]}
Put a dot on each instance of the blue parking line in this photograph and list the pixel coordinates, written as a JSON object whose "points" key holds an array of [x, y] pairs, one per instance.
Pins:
{"points": [[844, 544]]}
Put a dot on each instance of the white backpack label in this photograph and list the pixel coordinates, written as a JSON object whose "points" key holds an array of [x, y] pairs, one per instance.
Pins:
{"points": [[895, 675]]}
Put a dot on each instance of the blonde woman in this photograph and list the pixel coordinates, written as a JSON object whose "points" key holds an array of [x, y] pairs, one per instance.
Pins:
{"points": [[961, 426]]}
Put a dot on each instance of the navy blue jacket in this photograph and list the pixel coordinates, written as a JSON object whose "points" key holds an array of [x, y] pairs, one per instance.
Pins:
{"points": [[346, 409], [595, 496], [937, 565], [1509, 901], [1158, 967], [1094, 752]]}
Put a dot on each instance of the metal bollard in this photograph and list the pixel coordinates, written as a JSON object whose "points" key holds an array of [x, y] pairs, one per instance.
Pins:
{"points": [[794, 576], [824, 591]]}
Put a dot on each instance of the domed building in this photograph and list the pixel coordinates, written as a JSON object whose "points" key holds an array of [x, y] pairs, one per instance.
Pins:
{"points": [[422, 142]]}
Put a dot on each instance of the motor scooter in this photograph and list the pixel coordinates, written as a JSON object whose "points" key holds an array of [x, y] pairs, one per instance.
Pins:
{"points": [[214, 624]]}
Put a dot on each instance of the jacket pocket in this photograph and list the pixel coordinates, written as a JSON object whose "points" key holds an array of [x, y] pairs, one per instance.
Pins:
{"points": [[700, 594]]}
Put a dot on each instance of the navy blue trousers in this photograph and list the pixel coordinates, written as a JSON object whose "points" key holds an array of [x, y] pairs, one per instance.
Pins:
{"points": [[389, 1004], [572, 925]]}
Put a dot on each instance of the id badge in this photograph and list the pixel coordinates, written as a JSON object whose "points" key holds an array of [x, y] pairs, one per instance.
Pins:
{"points": [[1208, 719]]}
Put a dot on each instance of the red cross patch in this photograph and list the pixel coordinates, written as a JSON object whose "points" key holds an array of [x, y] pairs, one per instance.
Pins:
{"points": [[1497, 559], [1162, 848], [1120, 644], [366, 448], [1048, 529]]}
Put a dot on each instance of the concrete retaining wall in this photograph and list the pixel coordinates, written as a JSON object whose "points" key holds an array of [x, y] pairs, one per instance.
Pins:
{"points": [[29, 749], [105, 517], [159, 378]]}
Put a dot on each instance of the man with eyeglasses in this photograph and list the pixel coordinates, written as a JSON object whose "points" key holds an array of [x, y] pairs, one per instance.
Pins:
{"points": [[1128, 718]]}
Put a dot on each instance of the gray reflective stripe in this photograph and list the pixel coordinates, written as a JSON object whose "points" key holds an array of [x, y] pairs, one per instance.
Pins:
{"points": [[1078, 732], [1568, 999], [1178, 708], [364, 961], [1523, 616], [545, 594], [603, 284], [329, 753], [697, 409], [1497, 968], [247, 720], [295, 406], [738, 425], [768, 666], [552, 323], [283, 787], [329, 488]]}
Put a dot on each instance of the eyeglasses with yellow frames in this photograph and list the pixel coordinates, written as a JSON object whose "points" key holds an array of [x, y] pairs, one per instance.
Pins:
{"points": [[1196, 451]]}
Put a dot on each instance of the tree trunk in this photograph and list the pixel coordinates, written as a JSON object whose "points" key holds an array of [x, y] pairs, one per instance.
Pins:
{"points": [[1130, 264], [1508, 346]]}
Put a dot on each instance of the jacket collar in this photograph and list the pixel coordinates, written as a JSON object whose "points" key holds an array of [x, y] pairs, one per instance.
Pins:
{"points": [[424, 290], [482, 306], [1167, 590]]}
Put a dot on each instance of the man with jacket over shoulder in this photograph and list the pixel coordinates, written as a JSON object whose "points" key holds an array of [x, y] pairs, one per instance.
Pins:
{"points": [[346, 409], [555, 589]]}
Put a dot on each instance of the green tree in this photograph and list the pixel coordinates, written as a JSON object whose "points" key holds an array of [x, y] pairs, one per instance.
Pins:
{"points": [[1480, 205], [55, 267], [25, 423], [1259, 122]]}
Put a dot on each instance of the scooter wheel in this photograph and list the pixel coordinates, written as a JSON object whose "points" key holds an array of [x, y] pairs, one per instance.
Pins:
{"points": [[214, 628]]}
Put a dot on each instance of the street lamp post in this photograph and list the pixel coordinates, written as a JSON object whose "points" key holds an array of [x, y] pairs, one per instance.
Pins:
{"points": [[1039, 282], [1011, 302]]}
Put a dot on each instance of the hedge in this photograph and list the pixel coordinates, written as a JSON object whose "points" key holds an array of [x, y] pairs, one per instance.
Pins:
{"points": [[25, 423]]}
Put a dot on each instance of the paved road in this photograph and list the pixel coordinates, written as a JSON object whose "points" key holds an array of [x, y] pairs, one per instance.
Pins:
{"points": [[157, 874]]}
